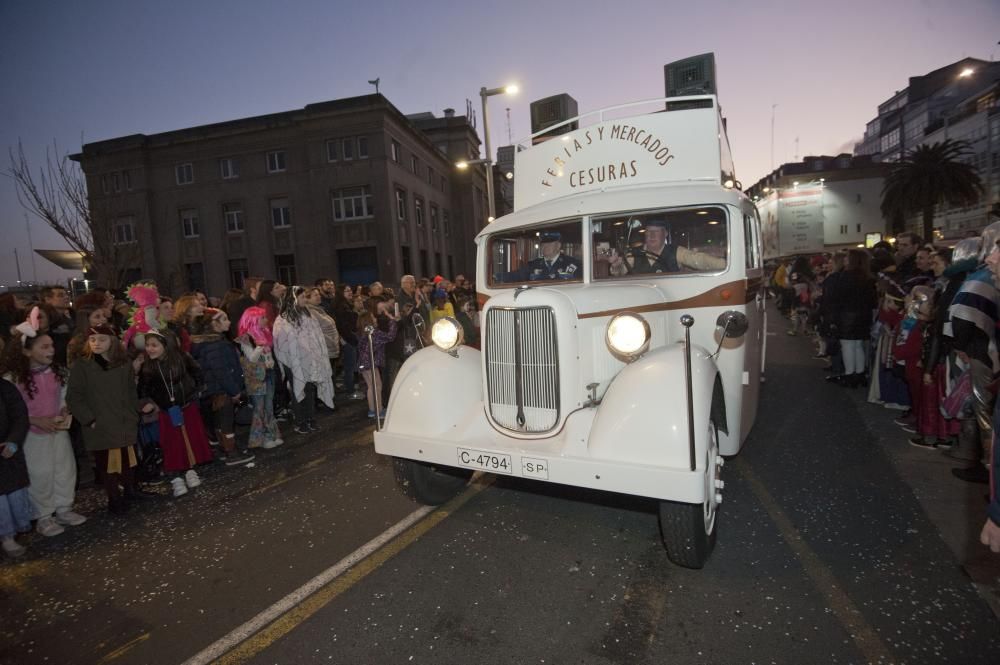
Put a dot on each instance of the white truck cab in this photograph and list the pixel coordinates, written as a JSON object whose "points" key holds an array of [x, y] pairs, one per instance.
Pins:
{"points": [[622, 327]]}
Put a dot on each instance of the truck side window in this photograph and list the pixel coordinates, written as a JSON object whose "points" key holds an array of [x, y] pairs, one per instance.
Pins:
{"points": [[545, 253]]}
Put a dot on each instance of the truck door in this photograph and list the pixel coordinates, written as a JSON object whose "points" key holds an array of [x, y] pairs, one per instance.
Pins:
{"points": [[753, 358]]}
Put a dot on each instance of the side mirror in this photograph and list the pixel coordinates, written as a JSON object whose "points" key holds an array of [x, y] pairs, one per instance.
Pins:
{"points": [[734, 324]]}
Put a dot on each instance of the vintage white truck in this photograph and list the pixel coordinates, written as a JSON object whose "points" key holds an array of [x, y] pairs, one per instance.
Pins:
{"points": [[622, 327]]}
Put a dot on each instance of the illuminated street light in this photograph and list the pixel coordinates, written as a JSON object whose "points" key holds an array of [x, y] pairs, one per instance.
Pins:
{"points": [[484, 93], [966, 73]]}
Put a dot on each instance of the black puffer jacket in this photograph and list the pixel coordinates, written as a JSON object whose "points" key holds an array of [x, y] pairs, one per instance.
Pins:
{"points": [[13, 428], [220, 365], [850, 301]]}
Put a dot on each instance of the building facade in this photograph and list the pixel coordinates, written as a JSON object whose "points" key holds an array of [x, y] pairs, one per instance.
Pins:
{"points": [[349, 189], [960, 102], [821, 204]]}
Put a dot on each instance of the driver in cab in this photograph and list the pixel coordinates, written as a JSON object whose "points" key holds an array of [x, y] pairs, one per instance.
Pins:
{"points": [[552, 264], [658, 256]]}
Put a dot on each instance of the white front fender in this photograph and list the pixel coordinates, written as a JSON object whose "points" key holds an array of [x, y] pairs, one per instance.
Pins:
{"points": [[432, 389], [643, 415]]}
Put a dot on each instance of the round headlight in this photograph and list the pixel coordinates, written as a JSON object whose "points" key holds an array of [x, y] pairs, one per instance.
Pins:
{"points": [[628, 335], [447, 334]]}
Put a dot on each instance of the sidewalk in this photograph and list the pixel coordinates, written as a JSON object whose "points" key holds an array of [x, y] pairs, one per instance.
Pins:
{"points": [[955, 507]]}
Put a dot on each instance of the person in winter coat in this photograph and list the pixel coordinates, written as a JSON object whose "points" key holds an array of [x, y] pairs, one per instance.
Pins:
{"points": [[15, 505], [347, 324], [300, 347], [101, 396], [850, 301], [223, 380], [374, 348], [169, 380]]}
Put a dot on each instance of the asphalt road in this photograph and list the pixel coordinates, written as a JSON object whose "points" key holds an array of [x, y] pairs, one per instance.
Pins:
{"points": [[825, 555]]}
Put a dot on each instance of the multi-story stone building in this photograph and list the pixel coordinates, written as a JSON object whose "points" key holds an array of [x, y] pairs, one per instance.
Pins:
{"points": [[350, 189]]}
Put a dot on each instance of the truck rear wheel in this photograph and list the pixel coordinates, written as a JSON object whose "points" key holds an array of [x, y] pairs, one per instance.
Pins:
{"points": [[689, 529], [428, 484]]}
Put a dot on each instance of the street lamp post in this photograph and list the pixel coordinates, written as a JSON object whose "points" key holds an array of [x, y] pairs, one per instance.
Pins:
{"points": [[484, 93]]}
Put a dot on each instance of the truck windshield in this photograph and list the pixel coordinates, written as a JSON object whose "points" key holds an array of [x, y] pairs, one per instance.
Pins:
{"points": [[540, 253], [690, 240]]}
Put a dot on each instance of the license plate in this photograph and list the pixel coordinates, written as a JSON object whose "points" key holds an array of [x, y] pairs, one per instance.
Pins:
{"points": [[485, 461]]}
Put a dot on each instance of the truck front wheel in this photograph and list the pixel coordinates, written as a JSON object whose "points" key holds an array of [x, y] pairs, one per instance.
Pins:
{"points": [[689, 529], [428, 484]]}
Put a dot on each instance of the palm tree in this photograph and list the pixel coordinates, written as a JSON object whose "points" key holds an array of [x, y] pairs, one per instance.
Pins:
{"points": [[927, 176]]}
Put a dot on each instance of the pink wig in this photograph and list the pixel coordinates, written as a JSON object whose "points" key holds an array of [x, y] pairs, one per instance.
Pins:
{"points": [[252, 323]]}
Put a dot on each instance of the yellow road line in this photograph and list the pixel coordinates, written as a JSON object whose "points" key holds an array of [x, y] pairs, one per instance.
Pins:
{"points": [[123, 649], [296, 615], [847, 613]]}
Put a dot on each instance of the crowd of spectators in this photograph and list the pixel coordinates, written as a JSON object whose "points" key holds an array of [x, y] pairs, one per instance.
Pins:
{"points": [[150, 388], [914, 325]]}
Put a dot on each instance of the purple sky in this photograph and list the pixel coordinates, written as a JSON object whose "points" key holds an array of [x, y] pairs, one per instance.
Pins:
{"points": [[97, 70]]}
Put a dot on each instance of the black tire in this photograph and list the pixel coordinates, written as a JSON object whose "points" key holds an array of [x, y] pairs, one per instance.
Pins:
{"points": [[683, 525], [428, 484], [683, 532]]}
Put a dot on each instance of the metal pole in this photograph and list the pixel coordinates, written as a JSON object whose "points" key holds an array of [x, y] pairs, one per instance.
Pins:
{"points": [[687, 321], [773, 106], [376, 389], [489, 157]]}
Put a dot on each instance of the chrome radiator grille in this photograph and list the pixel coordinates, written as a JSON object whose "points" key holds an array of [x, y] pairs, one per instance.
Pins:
{"points": [[522, 368]]}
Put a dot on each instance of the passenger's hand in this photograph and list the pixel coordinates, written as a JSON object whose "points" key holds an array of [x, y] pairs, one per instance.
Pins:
{"points": [[990, 536], [614, 258]]}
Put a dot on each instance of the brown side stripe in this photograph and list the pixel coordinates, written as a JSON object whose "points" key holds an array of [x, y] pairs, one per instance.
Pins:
{"points": [[731, 293]]}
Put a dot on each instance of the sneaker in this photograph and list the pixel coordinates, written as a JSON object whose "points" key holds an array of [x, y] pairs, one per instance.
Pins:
{"points": [[356, 395], [272, 443], [191, 479], [908, 428], [178, 487], [13, 548], [47, 526], [904, 421], [69, 518], [313, 427], [371, 414], [382, 414], [283, 416], [921, 442], [945, 444], [214, 444], [302, 429], [238, 457]]}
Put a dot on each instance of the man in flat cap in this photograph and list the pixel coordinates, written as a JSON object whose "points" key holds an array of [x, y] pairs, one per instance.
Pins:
{"points": [[657, 256], [552, 264]]}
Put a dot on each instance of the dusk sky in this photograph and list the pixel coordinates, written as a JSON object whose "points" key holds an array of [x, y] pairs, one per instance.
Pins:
{"points": [[77, 72]]}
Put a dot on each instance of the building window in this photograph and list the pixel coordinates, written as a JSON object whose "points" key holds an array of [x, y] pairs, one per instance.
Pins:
{"points": [[430, 176], [105, 184], [434, 218], [125, 231], [353, 203], [843, 229], [443, 181], [401, 205], [238, 272], [439, 264], [229, 168], [195, 273], [362, 147], [348, 147], [397, 151], [276, 161], [414, 164], [332, 150], [280, 215], [127, 179], [284, 265], [451, 265], [407, 263], [233, 214], [184, 173], [189, 223], [424, 268], [116, 182], [418, 207], [447, 224]]}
